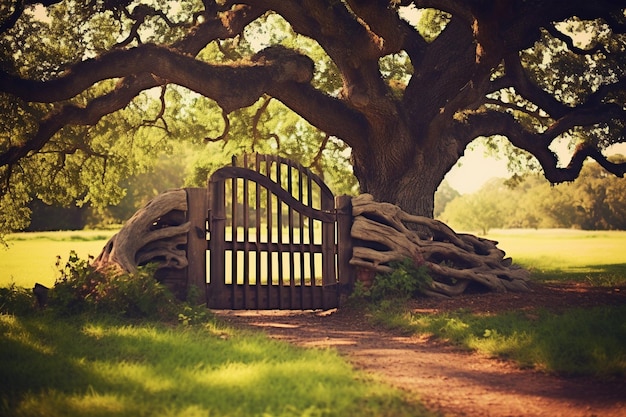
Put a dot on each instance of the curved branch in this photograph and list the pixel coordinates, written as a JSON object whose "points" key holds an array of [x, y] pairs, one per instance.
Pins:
{"points": [[329, 23], [585, 115], [517, 78], [537, 114], [493, 122], [223, 25], [327, 113], [206, 79], [552, 30], [385, 21], [159, 116], [318, 156], [584, 151], [74, 115], [170, 65], [225, 132], [257, 118], [352, 45]]}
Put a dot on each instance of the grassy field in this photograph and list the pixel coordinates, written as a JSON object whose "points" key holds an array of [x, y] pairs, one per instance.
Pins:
{"points": [[552, 254], [558, 254], [91, 366], [31, 257]]}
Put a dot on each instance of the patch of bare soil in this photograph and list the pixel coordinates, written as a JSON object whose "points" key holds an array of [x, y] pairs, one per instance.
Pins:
{"points": [[447, 380]]}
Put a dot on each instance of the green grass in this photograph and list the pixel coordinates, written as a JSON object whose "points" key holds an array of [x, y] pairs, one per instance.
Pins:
{"points": [[567, 255], [31, 257], [572, 342], [575, 342], [98, 367], [588, 342], [550, 254]]}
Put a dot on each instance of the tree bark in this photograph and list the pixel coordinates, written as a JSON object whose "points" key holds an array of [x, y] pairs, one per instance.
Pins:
{"points": [[408, 181], [454, 261]]}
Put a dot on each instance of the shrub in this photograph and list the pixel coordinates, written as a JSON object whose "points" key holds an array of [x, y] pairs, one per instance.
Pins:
{"points": [[81, 288], [16, 300]]}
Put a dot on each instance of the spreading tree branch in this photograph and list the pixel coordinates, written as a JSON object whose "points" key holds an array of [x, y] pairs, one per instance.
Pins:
{"points": [[224, 135]]}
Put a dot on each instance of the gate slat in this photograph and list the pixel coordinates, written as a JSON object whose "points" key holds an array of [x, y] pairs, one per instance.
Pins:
{"points": [[279, 227], [301, 242], [292, 274], [257, 220], [311, 224], [246, 251], [270, 264], [285, 207], [234, 238]]}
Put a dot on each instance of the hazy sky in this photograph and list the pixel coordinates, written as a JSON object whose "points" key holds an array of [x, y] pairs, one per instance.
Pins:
{"points": [[474, 169]]}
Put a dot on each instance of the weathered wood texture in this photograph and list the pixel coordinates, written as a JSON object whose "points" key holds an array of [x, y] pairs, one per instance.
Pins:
{"points": [[157, 233], [454, 261], [266, 249]]}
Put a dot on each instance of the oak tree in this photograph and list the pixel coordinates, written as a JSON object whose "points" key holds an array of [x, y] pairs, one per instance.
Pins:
{"points": [[406, 97]]}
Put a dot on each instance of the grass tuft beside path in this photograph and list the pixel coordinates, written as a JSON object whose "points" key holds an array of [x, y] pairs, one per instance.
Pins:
{"points": [[574, 342]]}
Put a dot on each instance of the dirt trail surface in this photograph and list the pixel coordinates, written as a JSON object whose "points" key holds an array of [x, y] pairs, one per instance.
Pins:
{"points": [[448, 380]]}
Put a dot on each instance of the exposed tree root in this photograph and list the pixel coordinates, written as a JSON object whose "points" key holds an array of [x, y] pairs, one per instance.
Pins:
{"points": [[453, 260], [156, 233]]}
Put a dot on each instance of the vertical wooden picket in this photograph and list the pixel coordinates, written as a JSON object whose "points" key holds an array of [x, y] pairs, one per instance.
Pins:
{"points": [[294, 198], [197, 213], [217, 230], [345, 271]]}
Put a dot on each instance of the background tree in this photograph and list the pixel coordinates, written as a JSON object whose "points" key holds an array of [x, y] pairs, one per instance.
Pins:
{"points": [[593, 201], [445, 194], [85, 86], [486, 209], [599, 199]]}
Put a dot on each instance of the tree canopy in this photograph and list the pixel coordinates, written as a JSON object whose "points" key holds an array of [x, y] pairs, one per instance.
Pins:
{"points": [[93, 90]]}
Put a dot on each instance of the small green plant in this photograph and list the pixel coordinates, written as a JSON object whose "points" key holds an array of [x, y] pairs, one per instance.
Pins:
{"points": [[193, 310], [405, 281], [16, 300], [605, 280]]}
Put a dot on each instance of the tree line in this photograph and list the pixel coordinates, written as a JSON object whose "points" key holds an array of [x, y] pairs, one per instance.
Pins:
{"points": [[594, 201]]}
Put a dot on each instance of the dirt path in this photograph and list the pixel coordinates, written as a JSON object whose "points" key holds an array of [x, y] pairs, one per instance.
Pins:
{"points": [[448, 380]]}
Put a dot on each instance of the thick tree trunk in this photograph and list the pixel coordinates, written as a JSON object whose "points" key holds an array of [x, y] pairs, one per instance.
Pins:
{"points": [[409, 183]]}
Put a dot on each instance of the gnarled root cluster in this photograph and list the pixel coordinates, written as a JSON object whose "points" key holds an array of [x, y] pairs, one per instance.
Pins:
{"points": [[157, 233], [454, 261]]}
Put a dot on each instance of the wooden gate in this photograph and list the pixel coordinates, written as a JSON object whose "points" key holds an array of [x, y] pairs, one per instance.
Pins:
{"points": [[277, 237]]}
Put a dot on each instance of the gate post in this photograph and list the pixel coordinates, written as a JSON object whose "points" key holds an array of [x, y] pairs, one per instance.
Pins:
{"points": [[345, 271], [197, 210]]}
